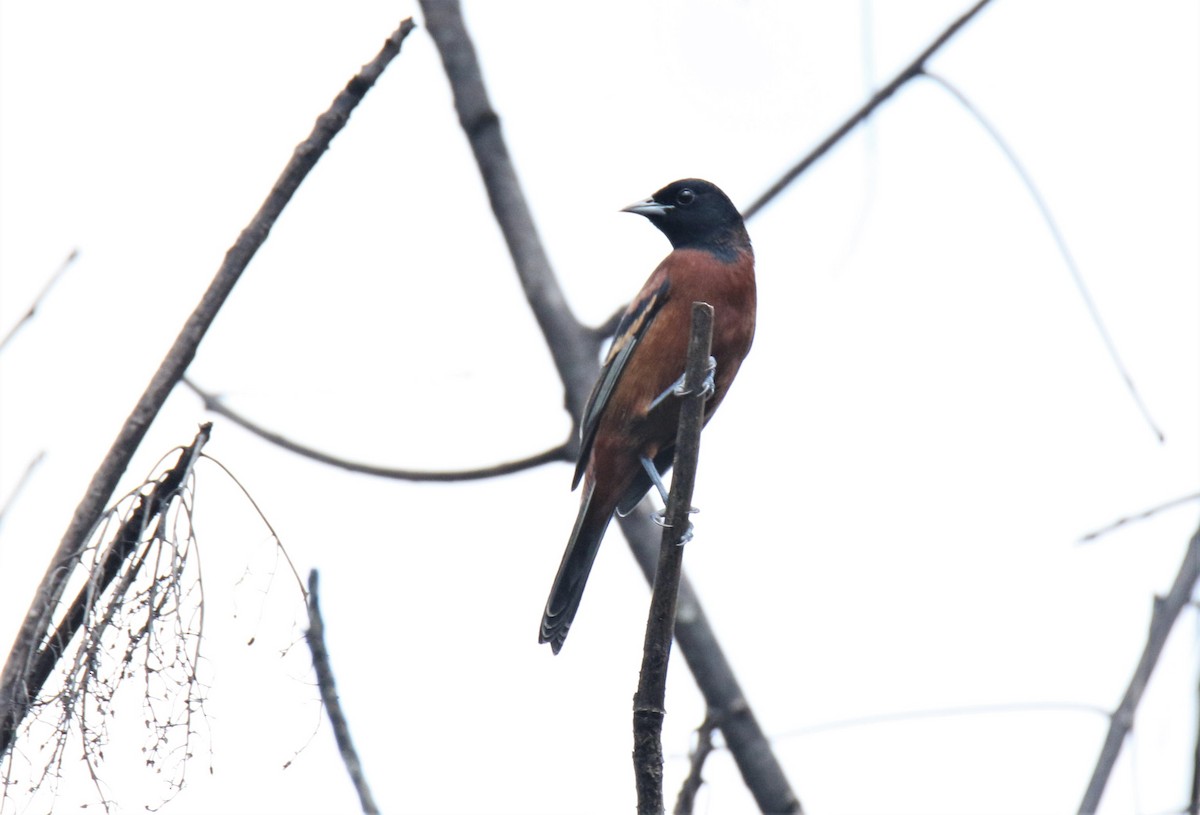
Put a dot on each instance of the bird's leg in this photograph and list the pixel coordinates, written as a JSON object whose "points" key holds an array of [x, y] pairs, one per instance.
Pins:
{"points": [[655, 478], [660, 517], [707, 388]]}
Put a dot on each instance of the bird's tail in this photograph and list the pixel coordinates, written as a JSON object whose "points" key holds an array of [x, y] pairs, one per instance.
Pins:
{"points": [[573, 572]]}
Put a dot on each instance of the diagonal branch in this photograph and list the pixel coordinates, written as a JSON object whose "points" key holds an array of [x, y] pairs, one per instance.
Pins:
{"points": [[214, 404], [21, 482], [333, 705], [14, 693], [37, 301], [1141, 516], [575, 352], [1162, 619], [907, 74], [575, 349]]}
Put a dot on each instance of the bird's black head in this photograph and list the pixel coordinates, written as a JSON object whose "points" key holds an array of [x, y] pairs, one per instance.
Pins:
{"points": [[695, 214]]}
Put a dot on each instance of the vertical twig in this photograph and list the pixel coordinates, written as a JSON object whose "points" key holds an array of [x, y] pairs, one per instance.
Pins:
{"points": [[1162, 619], [1193, 807], [649, 702], [686, 802], [333, 705], [14, 693], [756, 760]]}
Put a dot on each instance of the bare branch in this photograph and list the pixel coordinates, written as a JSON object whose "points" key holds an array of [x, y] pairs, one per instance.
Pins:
{"points": [[686, 802], [1193, 807], [1001, 709], [908, 73], [333, 705], [649, 702], [21, 482], [1059, 240], [609, 327], [1162, 619], [214, 404], [576, 349], [714, 675], [32, 673], [1141, 516], [14, 694], [37, 301]]}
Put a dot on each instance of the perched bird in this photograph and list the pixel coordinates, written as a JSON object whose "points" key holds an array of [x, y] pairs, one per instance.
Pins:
{"points": [[629, 425]]}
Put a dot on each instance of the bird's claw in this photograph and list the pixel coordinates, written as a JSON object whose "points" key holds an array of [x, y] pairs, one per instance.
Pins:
{"points": [[707, 388], [660, 518]]}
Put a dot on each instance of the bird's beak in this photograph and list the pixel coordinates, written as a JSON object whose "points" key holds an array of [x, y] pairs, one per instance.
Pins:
{"points": [[649, 208]]}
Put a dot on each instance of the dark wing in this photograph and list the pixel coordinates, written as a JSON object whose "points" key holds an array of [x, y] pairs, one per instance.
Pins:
{"points": [[629, 333]]}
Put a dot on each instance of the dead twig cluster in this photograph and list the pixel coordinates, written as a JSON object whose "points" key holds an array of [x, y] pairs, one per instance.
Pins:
{"points": [[137, 614]]}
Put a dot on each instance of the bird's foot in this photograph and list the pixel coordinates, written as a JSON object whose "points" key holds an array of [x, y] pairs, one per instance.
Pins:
{"points": [[672, 390], [660, 518], [707, 388]]}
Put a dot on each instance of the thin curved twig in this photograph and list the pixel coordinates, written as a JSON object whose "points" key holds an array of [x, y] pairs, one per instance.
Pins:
{"points": [[14, 693], [262, 516], [1059, 240], [214, 404], [333, 705], [908, 73], [1162, 620]]}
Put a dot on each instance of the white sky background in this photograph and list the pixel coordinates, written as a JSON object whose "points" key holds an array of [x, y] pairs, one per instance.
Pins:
{"points": [[892, 496]]}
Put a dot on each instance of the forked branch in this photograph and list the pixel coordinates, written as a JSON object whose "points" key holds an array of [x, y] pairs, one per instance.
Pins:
{"points": [[1162, 620]]}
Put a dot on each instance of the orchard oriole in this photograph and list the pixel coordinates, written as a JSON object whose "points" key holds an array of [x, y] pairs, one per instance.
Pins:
{"points": [[628, 427]]}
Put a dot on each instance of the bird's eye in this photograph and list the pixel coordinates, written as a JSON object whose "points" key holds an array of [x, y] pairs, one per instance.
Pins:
{"points": [[685, 197]]}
